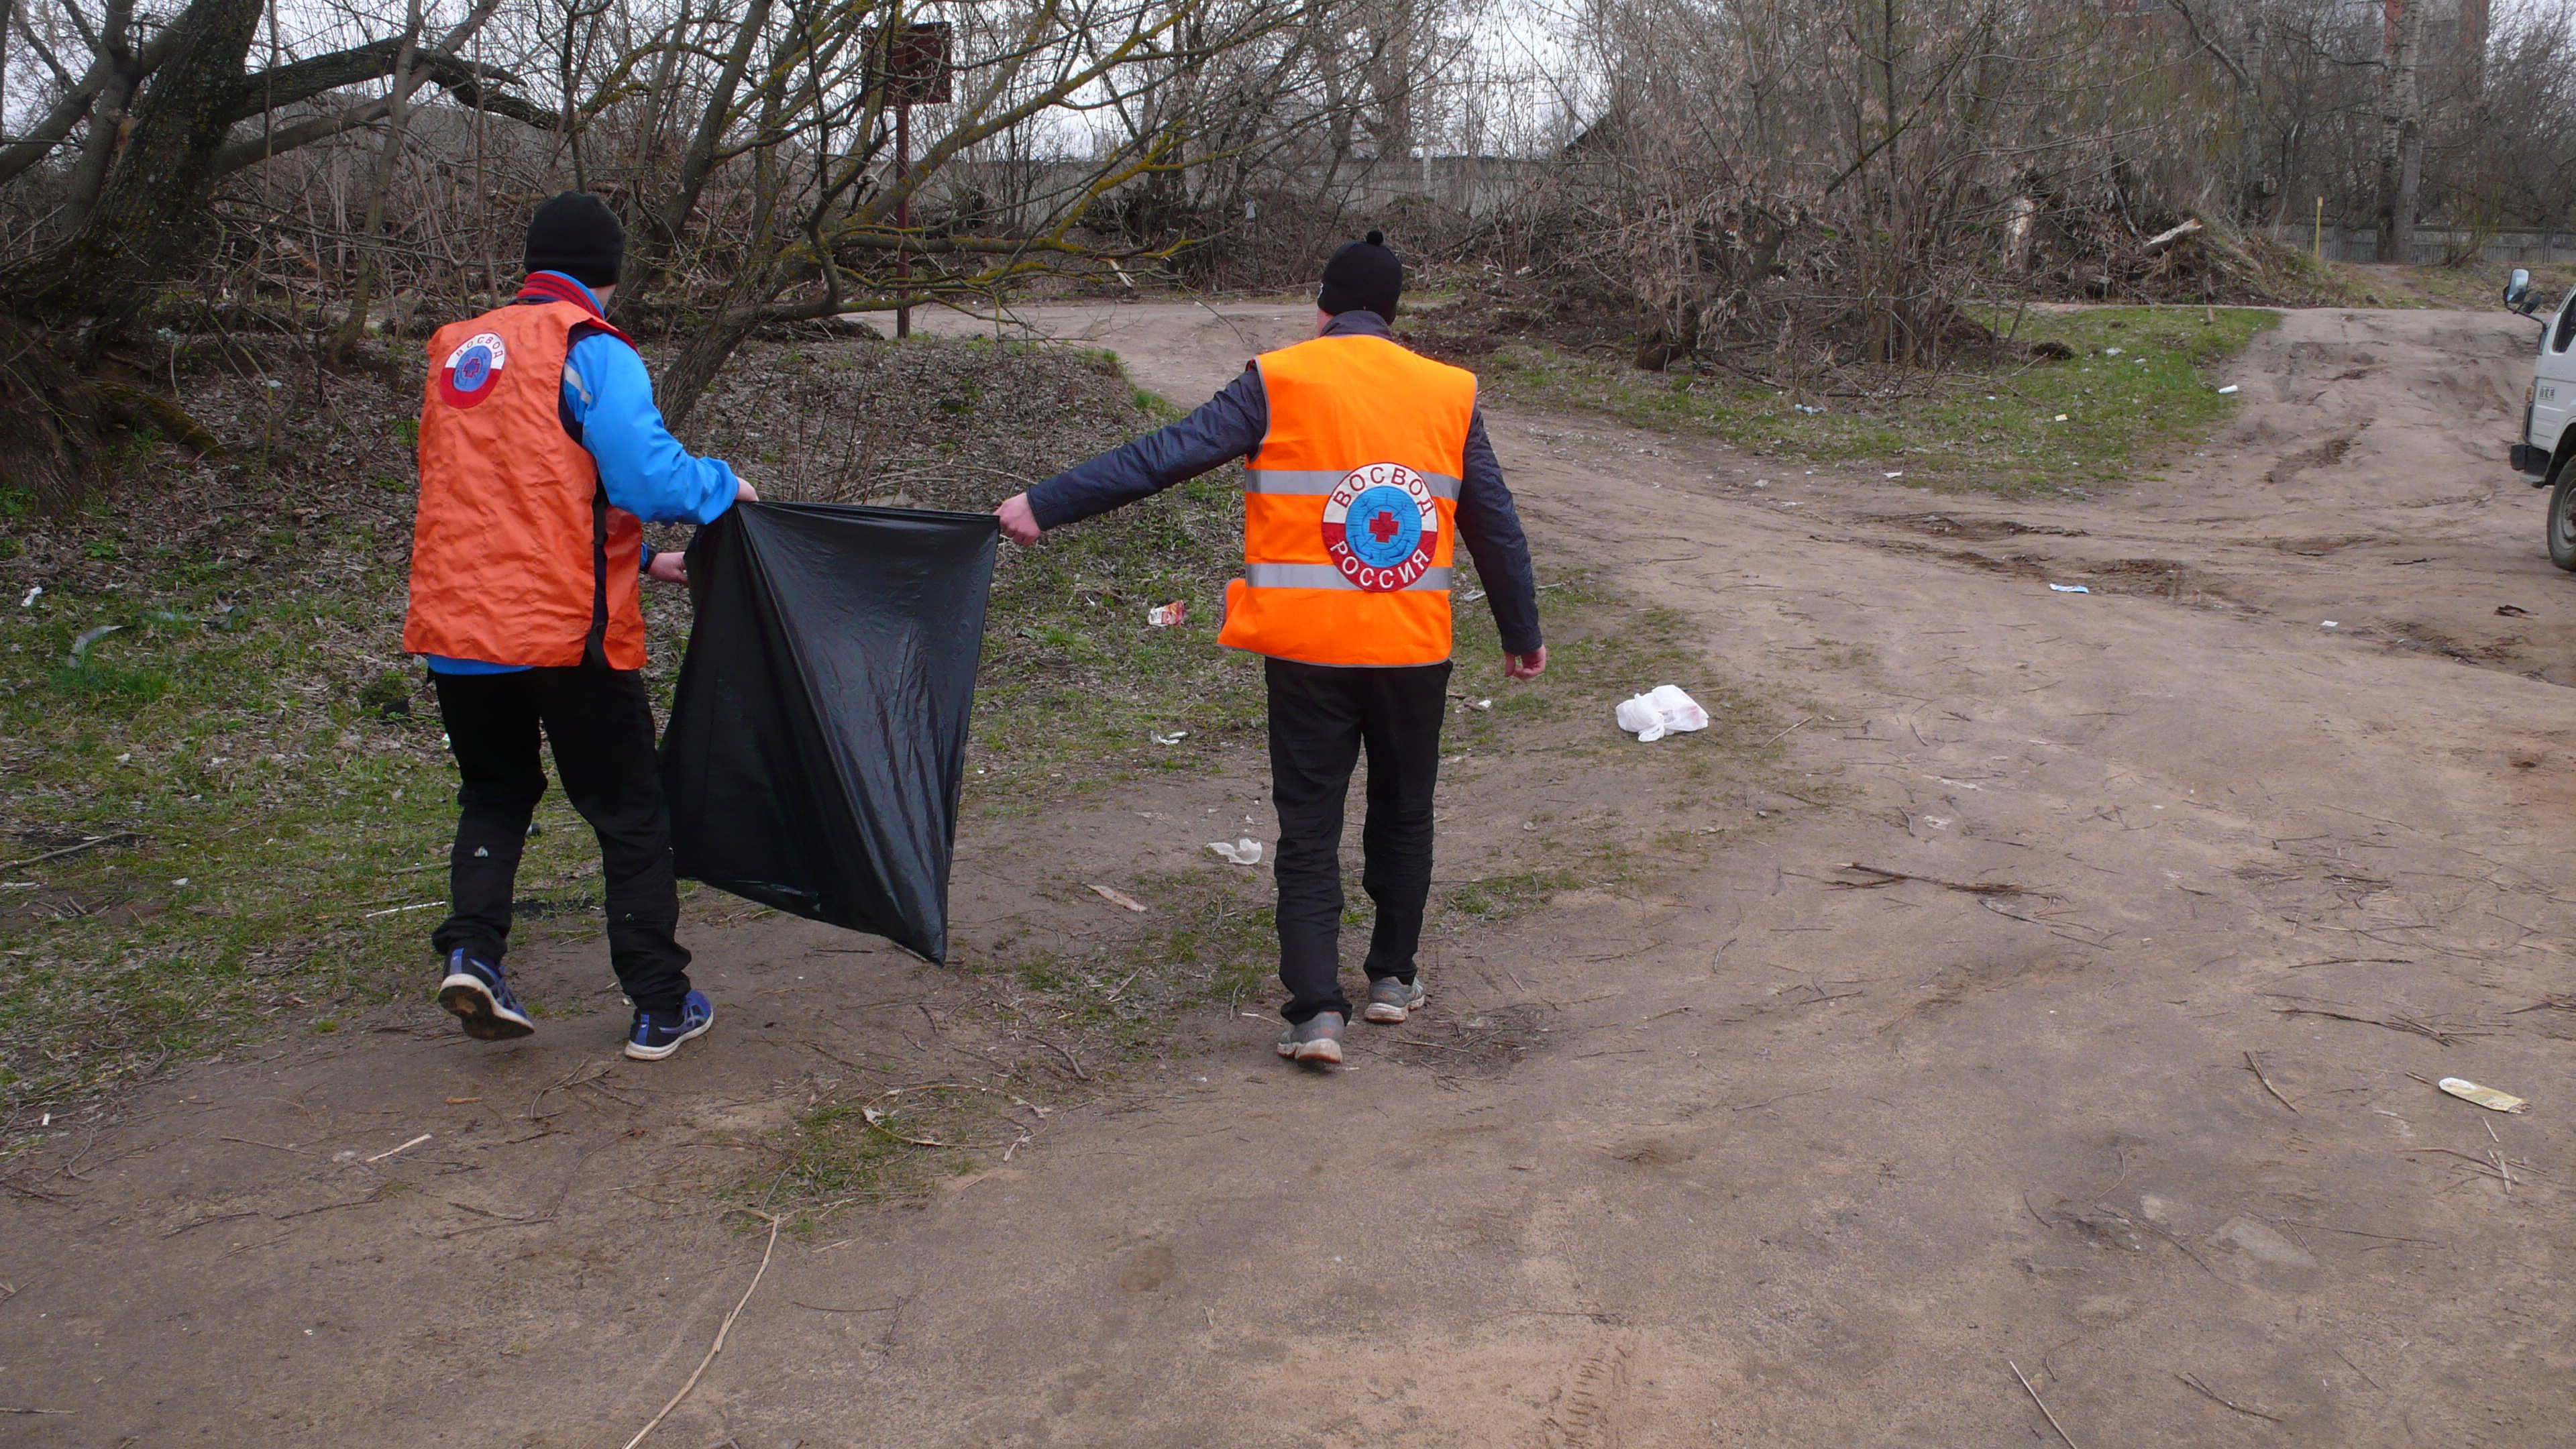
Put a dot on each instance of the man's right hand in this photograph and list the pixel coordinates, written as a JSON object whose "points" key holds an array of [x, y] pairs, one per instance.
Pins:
{"points": [[744, 492], [1018, 520]]}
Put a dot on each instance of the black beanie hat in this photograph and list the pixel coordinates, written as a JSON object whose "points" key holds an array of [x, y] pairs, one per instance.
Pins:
{"points": [[576, 234], [1363, 274]]}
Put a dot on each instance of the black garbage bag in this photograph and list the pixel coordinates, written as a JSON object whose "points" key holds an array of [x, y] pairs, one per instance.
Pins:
{"points": [[817, 746]]}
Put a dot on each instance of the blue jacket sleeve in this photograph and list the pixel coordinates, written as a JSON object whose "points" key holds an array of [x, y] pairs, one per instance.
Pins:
{"points": [[1227, 426], [609, 397], [1491, 528]]}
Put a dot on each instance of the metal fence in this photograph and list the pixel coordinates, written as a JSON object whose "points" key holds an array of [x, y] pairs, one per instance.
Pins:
{"points": [[2520, 245]]}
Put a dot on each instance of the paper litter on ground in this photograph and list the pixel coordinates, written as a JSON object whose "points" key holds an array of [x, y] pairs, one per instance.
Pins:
{"points": [[2487, 1097]]}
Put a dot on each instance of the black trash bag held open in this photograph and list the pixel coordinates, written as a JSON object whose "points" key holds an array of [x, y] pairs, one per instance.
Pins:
{"points": [[818, 744]]}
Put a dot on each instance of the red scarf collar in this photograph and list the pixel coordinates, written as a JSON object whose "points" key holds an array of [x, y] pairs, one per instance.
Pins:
{"points": [[552, 287]]}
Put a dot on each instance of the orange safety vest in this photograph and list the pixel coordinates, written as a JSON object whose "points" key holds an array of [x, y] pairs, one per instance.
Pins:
{"points": [[516, 555], [1350, 509]]}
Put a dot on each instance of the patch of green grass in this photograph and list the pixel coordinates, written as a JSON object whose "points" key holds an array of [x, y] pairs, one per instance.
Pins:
{"points": [[1076, 684], [2013, 426], [1498, 897], [266, 824], [890, 1148], [267, 768], [2472, 287]]}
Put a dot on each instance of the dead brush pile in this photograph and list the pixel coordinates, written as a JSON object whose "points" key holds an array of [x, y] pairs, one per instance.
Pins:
{"points": [[2098, 254]]}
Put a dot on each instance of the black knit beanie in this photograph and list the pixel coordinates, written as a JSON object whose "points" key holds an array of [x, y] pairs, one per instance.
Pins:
{"points": [[1363, 274], [576, 234]]}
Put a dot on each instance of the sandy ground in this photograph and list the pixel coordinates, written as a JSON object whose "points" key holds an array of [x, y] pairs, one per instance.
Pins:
{"points": [[1789, 1163]]}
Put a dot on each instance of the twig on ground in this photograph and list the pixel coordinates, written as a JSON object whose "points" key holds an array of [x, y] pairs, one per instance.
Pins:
{"points": [[2548, 1003], [2356, 1368], [2183, 1248], [1891, 877], [571, 1078], [1767, 1101], [2222, 1400], [2256, 1068], [721, 1330], [392, 1151], [2438, 1035], [1784, 734], [328, 1207], [1079, 1074], [93, 843], [564, 1192], [2043, 1403], [2356, 961], [217, 1218]]}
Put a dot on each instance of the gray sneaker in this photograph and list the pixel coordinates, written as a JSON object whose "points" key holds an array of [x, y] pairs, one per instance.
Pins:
{"points": [[1316, 1040], [1391, 1001]]}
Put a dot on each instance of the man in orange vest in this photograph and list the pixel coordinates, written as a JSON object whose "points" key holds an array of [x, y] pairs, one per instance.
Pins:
{"points": [[541, 454], [1366, 466]]}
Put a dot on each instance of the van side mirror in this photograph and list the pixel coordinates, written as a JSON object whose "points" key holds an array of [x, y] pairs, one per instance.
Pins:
{"points": [[2517, 291]]}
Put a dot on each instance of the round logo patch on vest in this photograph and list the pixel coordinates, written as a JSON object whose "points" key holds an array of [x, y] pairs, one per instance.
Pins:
{"points": [[1381, 526], [472, 369]]}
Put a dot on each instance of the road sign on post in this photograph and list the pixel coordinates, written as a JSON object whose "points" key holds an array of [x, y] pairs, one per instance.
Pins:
{"points": [[915, 73]]}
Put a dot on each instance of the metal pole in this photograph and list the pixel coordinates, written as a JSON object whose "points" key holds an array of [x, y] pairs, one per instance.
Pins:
{"points": [[902, 209], [2317, 235]]}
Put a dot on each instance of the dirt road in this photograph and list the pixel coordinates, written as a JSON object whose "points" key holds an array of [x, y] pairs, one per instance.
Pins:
{"points": [[1790, 1163]]}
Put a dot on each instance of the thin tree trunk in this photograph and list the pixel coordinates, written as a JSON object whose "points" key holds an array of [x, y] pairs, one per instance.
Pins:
{"points": [[363, 294], [2401, 138]]}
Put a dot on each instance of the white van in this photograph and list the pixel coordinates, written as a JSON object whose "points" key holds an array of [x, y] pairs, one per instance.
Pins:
{"points": [[2543, 454]]}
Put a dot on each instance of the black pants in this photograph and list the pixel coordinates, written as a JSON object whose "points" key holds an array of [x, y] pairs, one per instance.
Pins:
{"points": [[600, 723], [1319, 718]]}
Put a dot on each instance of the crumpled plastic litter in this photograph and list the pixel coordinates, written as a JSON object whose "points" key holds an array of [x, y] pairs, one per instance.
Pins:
{"points": [[1660, 711], [1174, 738], [1246, 851], [2068, 589], [1164, 616], [80, 646]]}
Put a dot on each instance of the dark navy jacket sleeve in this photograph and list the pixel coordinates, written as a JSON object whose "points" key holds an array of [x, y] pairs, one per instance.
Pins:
{"points": [[1227, 426], [1491, 528]]}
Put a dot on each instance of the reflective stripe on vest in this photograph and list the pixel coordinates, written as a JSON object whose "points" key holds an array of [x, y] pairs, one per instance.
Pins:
{"points": [[1326, 576], [516, 557], [1298, 480], [1350, 506]]}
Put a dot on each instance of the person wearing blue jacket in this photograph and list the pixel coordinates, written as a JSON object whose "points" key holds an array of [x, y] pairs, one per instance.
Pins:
{"points": [[596, 717]]}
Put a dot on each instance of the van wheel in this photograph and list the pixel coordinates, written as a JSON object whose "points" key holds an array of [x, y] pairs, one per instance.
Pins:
{"points": [[2562, 517]]}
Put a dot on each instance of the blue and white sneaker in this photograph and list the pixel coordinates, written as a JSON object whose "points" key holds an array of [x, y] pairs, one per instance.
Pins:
{"points": [[479, 994], [657, 1034]]}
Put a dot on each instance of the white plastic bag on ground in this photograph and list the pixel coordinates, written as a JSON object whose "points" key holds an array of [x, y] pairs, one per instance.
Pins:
{"points": [[1246, 851], [1661, 711]]}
